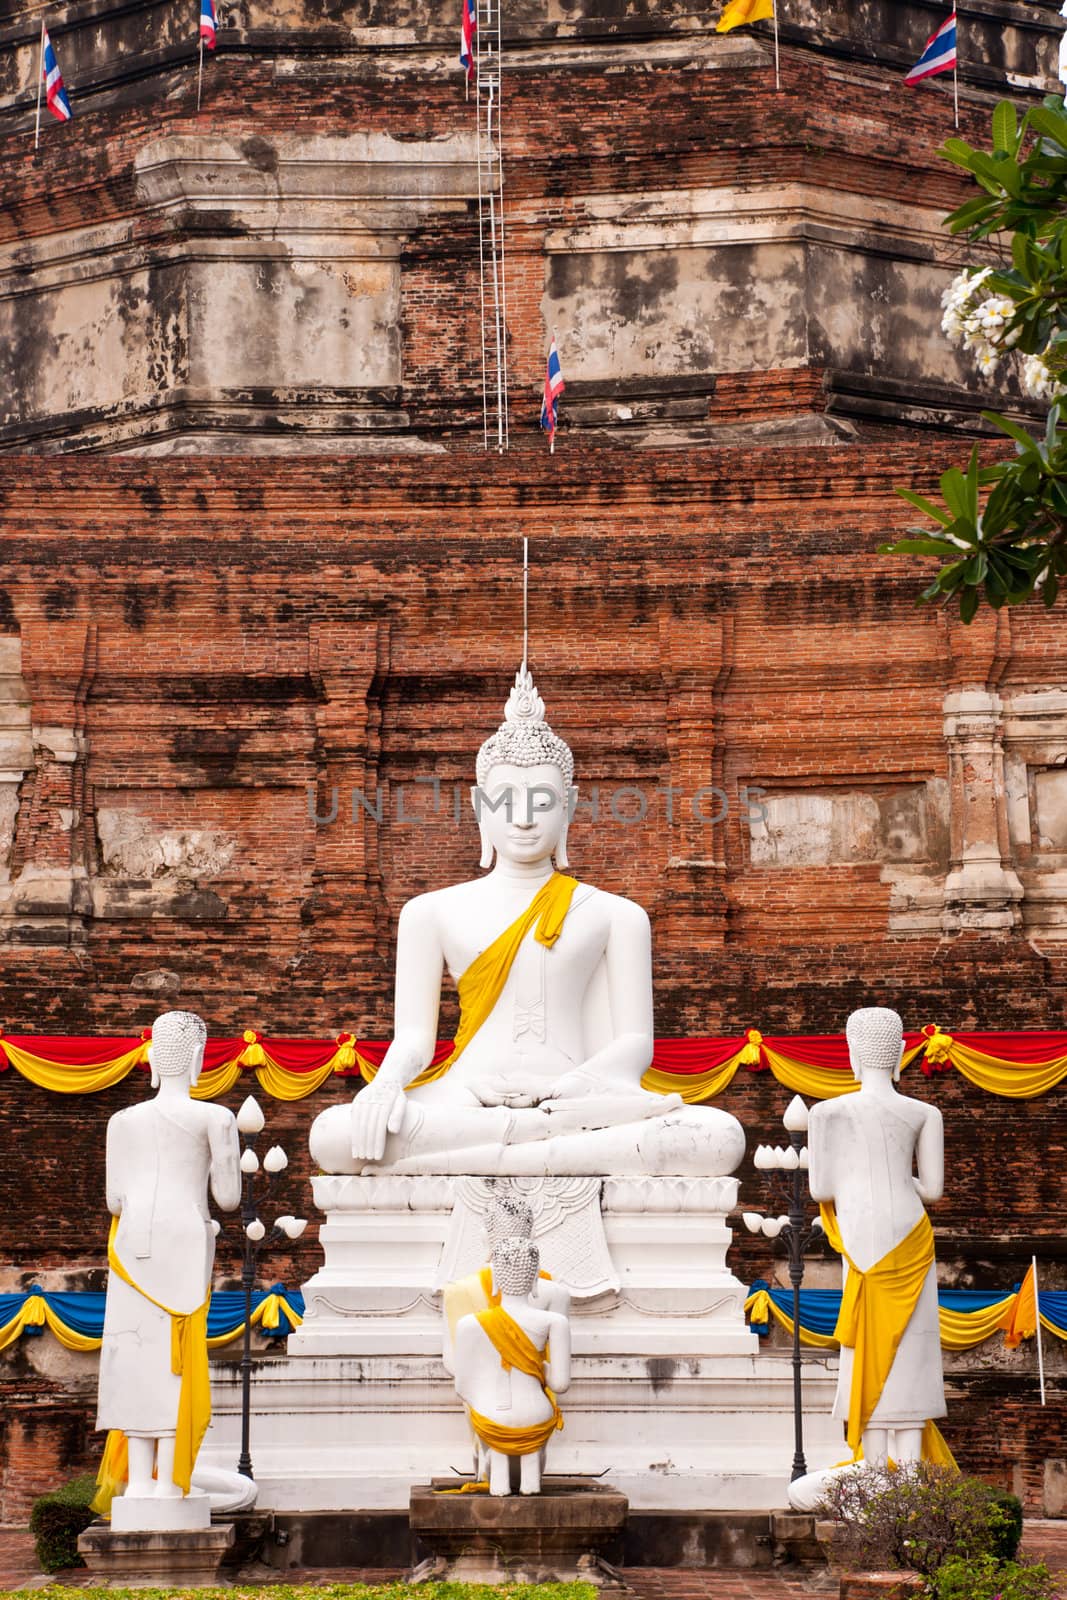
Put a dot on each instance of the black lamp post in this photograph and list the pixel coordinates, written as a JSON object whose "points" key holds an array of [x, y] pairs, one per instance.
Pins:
{"points": [[797, 1231], [255, 1189]]}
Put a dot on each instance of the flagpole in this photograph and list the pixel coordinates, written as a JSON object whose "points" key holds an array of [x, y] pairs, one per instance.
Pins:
{"points": [[956, 92], [777, 69], [555, 403], [1037, 1318], [525, 598], [40, 78], [200, 73]]}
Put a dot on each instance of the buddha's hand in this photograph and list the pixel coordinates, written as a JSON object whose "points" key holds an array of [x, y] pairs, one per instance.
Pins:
{"points": [[377, 1111], [509, 1089]]}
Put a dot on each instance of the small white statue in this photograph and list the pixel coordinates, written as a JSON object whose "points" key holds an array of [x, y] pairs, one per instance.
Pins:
{"points": [[875, 1157], [507, 1216], [555, 989], [511, 1361], [161, 1156]]}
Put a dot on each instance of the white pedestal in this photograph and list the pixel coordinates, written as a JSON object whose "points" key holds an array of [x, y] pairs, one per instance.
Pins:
{"points": [[670, 1395], [149, 1513]]}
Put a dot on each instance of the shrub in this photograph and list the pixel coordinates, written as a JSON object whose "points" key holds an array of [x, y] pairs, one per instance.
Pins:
{"points": [[1009, 1535], [916, 1517], [986, 1578], [56, 1521]]}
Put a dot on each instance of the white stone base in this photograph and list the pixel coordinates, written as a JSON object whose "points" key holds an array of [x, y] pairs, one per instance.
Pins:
{"points": [[696, 1433], [149, 1513], [670, 1397], [644, 1258]]}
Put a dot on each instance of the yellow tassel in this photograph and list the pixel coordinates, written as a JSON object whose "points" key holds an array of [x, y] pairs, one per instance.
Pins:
{"points": [[253, 1055]]}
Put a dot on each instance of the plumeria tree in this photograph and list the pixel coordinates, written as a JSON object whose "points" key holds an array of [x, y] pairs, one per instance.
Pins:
{"points": [[1000, 531]]}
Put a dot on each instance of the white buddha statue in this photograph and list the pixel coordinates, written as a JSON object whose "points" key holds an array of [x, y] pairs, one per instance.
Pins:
{"points": [[875, 1157], [511, 1360], [555, 987], [162, 1156]]}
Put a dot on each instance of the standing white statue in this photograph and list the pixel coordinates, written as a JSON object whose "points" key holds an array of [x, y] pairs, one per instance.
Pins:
{"points": [[511, 1360], [874, 1158], [507, 1216], [154, 1396], [555, 990]]}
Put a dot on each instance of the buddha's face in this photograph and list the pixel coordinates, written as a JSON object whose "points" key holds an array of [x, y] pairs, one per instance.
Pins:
{"points": [[522, 811]]}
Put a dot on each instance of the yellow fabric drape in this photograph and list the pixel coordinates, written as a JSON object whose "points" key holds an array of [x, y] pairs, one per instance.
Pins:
{"points": [[962, 1330], [480, 987], [1012, 1079], [823, 1083], [188, 1359], [113, 1474], [512, 1441], [74, 1079], [516, 1349], [219, 1081], [694, 1086], [292, 1085], [876, 1307], [267, 1313], [761, 1308], [35, 1312]]}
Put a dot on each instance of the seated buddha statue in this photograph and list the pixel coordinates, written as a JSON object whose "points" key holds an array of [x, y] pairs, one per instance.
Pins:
{"points": [[555, 989]]}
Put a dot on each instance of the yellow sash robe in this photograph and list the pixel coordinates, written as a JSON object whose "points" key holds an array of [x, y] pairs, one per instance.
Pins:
{"points": [[188, 1355], [876, 1307], [481, 986], [515, 1349]]}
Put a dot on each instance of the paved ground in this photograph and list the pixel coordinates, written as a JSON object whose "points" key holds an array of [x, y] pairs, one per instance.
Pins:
{"points": [[1044, 1541]]}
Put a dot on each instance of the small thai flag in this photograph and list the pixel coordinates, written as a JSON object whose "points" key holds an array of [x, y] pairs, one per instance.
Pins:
{"points": [[554, 387], [939, 55], [55, 94], [207, 22], [468, 28]]}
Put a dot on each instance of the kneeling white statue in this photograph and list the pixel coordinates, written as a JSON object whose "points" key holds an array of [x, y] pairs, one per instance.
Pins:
{"points": [[154, 1396], [507, 1217], [555, 991], [875, 1157], [511, 1361]]}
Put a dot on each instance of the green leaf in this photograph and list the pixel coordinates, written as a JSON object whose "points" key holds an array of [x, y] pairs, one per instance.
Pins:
{"points": [[974, 569], [1049, 124], [922, 504], [1049, 590], [954, 487], [968, 604], [917, 547], [1014, 430], [1005, 128]]}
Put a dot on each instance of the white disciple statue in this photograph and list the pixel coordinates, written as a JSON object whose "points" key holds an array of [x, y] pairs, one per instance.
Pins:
{"points": [[555, 992], [507, 1216], [154, 1397], [512, 1359], [875, 1157]]}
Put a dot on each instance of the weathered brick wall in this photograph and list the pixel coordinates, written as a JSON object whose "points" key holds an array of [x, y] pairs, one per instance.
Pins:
{"points": [[698, 145], [219, 639]]}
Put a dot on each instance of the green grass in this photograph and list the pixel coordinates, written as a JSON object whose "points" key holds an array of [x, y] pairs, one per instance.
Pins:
{"points": [[329, 1591]]}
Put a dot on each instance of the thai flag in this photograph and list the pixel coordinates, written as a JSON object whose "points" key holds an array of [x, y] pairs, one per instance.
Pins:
{"points": [[468, 28], [207, 22], [939, 55], [55, 94], [554, 387]]}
